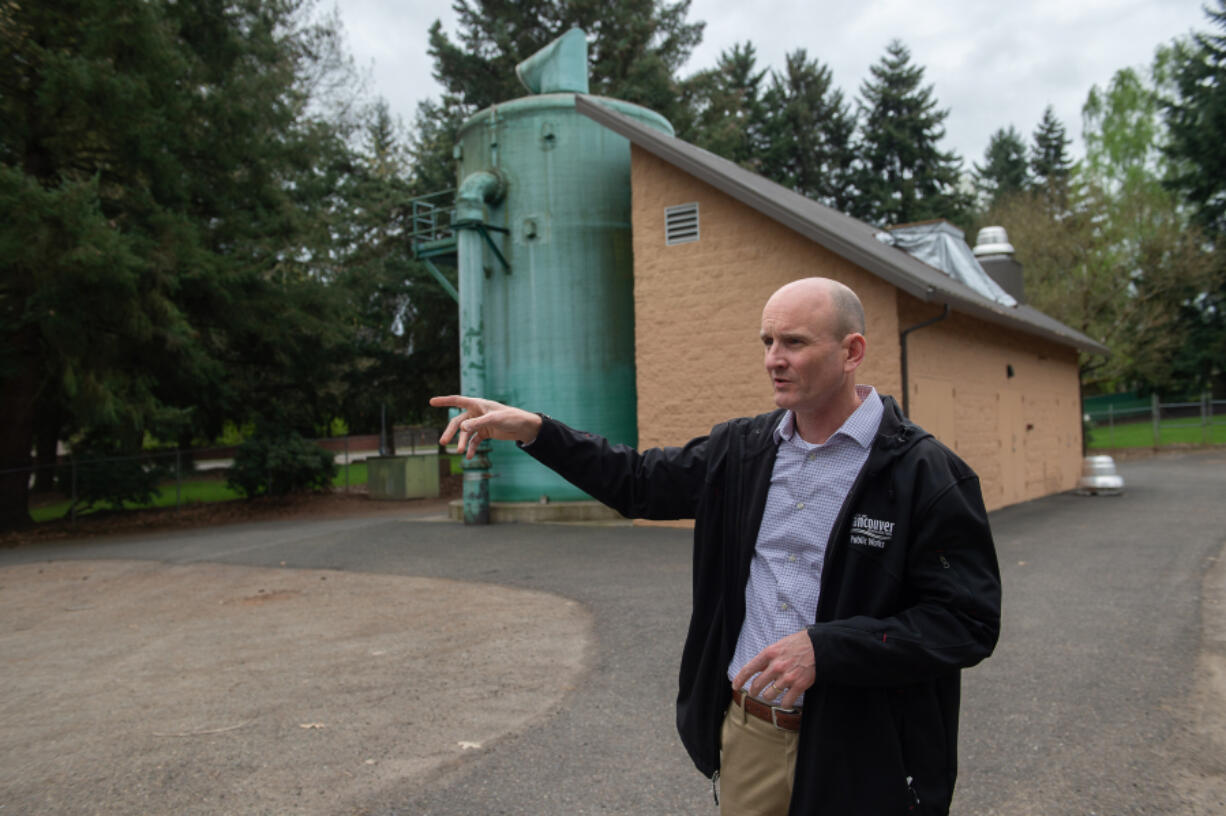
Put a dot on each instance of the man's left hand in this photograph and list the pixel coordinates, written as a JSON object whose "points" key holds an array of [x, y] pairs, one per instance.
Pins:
{"points": [[785, 667]]}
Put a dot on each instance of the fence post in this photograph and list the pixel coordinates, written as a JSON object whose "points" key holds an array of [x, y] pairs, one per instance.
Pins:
{"points": [[1204, 417], [72, 508], [1156, 411], [346, 461], [383, 429]]}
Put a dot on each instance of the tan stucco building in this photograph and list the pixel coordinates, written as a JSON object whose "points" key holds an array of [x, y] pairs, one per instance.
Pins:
{"points": [[999, 385]]}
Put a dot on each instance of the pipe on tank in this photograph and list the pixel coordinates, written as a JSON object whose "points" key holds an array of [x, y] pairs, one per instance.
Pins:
{"points": [[477, 189]]}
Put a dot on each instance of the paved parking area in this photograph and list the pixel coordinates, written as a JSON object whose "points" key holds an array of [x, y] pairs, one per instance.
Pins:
{"points": [[1099, 699]]}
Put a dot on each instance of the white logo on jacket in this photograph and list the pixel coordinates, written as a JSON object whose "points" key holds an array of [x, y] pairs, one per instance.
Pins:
{"points": [[871, 532]]}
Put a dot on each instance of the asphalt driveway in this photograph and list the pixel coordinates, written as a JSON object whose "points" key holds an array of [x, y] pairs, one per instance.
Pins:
{"points": [[529, 669]]}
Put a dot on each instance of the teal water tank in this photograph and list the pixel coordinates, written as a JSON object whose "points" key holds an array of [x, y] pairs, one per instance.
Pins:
{"points": [[552, 328]]}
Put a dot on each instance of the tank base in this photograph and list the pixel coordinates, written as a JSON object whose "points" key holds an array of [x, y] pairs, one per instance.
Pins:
{"points": [[536, 513]]}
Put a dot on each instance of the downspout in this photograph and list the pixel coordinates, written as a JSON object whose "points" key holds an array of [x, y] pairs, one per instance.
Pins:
{"points": [[478, 189], [902, 342]]}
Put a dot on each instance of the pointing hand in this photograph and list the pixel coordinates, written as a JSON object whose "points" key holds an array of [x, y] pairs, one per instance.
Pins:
{"points": [[485, 419]]}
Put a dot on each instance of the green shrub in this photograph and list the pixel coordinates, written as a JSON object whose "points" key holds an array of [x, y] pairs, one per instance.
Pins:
{"points": [[280, 463], [106, 474]]}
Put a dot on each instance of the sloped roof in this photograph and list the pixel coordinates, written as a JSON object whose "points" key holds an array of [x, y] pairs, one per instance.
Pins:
{"points": [[845, 236]]}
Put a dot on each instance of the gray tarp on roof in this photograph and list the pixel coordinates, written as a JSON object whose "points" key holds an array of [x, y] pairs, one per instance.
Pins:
{"points": [[942, 245], [852, 239]]}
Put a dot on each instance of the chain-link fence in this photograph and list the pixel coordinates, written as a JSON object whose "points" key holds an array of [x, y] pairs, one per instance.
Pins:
{"points": [[74, 477], [1135, 424]]}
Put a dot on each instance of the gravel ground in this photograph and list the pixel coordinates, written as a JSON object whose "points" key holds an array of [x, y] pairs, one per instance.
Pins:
{"points": [[141, 687]]}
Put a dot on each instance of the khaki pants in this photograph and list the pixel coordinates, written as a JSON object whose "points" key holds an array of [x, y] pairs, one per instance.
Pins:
{"points": [[757, 766]]}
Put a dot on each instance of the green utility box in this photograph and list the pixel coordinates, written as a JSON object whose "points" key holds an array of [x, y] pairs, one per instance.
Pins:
{"points": [[403, 477]]}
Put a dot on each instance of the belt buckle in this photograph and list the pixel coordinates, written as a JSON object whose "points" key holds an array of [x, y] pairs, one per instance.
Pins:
{"points": [[775, 716]]}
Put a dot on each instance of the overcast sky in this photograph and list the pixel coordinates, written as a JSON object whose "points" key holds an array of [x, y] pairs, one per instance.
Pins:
{"points": [[991, 64]]}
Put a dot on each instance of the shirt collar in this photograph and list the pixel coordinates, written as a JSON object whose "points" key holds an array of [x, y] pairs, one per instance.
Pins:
{"points": [[861, 426]]}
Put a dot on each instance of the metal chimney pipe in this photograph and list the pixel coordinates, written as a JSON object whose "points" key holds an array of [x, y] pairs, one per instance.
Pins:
{"points": [[995, 255]]}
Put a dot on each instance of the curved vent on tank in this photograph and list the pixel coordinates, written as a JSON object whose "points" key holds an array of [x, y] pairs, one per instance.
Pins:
{"points": [[560, 67]]}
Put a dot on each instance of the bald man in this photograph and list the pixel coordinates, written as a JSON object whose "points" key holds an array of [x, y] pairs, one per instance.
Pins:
{"points": [[844, 573]]}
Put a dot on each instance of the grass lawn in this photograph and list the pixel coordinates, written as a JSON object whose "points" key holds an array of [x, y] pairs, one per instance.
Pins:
{"points": [[201, 490], [1141, 434]]}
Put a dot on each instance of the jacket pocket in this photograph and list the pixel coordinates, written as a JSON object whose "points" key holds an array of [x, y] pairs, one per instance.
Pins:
{"points": [[924, 741]]}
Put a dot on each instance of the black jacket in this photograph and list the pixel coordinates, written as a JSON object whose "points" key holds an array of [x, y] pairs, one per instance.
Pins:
{"points": [[910, 595]]}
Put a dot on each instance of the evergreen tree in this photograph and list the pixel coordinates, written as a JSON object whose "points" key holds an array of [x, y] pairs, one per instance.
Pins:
{"points": [[635, 49], [403, 345], [904, 175], [382, 152], [1194, 110], [809, 132], [1195, 115], [729, 117], [1200, 362], [1005, 171], [78, 292], [1050, 164], [168, 189], [435, 128], [265, 164]]}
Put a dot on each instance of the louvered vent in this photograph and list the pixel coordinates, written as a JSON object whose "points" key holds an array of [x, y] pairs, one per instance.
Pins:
{"points": [[681, 224]]}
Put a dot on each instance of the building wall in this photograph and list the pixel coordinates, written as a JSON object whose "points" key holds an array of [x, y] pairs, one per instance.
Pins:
{"points": [[698, 306], [699, 361], [1021, 433]]}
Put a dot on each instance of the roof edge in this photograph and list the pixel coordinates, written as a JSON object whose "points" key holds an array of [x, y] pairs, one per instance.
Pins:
{"points": [[874, 260], [662, 148]]}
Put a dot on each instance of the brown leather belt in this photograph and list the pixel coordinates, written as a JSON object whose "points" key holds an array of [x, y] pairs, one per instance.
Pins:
{"points": [[785, 719]]}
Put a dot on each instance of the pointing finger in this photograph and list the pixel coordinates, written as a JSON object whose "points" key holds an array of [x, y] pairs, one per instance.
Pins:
{"points": [[474, 439], [452, 425]]}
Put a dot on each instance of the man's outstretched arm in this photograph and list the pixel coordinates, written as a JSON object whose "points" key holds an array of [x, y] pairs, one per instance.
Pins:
{"points": [[660, 483]]}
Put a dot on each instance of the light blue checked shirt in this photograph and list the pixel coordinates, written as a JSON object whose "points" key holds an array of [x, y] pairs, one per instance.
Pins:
{"points": [[808, 487]]}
